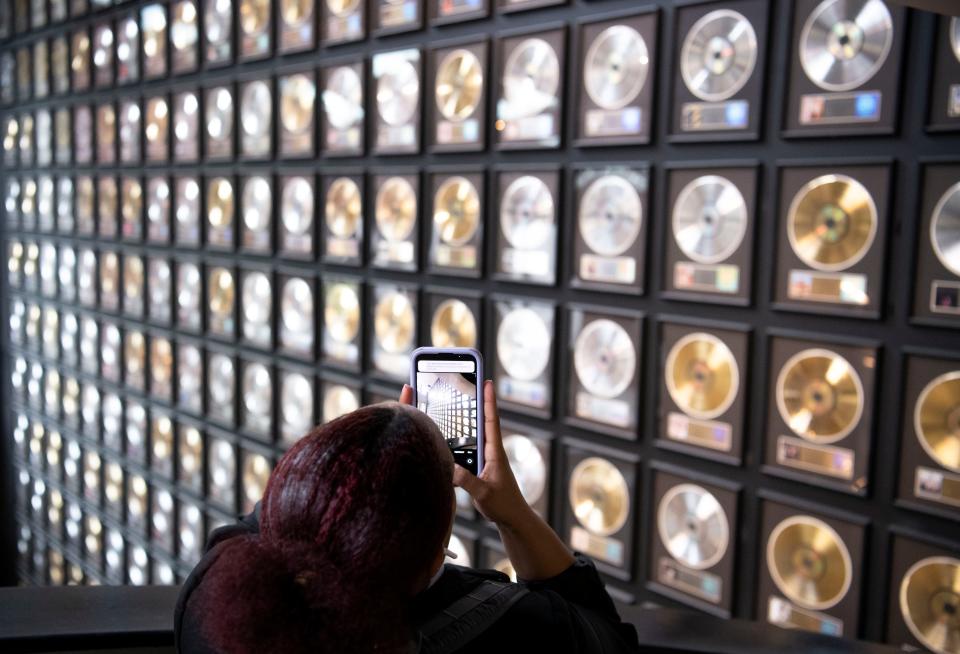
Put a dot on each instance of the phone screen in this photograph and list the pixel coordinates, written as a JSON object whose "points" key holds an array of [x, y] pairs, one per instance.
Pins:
{"points": [[447, 392]]}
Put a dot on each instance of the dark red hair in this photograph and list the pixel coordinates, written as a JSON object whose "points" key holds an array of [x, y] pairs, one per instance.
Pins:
{"points": [[351, 520]]}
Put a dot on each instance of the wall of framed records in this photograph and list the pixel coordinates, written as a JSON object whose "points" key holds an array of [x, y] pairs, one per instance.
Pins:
{"points": [[708, 249]]}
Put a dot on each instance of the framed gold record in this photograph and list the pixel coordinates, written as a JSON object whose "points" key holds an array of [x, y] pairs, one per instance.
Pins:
{"points": [[393, 336], [456, 103], [342, 21], [297, 112], [254, 29], [394, 241], [821, 412], [342, 212], [833, 239], [456, 233], [342, 329], [297, 24]]}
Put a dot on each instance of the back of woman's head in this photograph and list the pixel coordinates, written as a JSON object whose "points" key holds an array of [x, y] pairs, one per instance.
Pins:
{"points": [[351, 520]]}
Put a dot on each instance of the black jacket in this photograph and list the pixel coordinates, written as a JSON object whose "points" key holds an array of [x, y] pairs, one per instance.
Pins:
{"points": [[571, 612]]}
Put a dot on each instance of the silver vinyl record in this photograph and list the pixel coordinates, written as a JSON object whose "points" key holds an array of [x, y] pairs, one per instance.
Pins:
{"points": [[398, 93], [523, 344], [531, 79], [296, 402], [296, 306], [709, 219], [616, 66], [219, 113], [256, 109], [257, 389], [343, 98], [693, 526], [719, 54], [257, 202], [604, 358], [610, 215], [527, 213], [945, 229], [296, 205], [528, 466], [255, 298], [845, 42]]}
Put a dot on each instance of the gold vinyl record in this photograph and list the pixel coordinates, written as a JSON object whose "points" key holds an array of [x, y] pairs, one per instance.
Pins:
{"points": [[254, 16], [459, 85], [719, 54], [604, 358], [343, 208], [394, 322], [819, 395], [342, 8], [453, 325], [531, 79], [256, 473], [599, 496], [456, 213], [398, 93], [702, 375], [343, 98], [527, 213], [945, 229], [220, 202], [297, 96], [693, 526], [528, 465], [844, 43], [396, 209], [293, 12], [809, 562], [158, 117], [341, 313], [616, 67], [832, 222], [221, 292], [523, 344], [610, 215], [132, 277], [338, 400], [930, 603], [936, 419]]}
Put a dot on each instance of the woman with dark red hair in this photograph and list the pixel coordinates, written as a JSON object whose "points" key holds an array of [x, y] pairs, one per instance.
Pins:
{"points": [[345, 553]]}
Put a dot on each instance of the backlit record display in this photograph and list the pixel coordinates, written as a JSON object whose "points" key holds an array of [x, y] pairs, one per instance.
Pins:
{"points": [[459, 85], [820, 395], [702, 375], [718, 55], [945, 229], [615, 68], [845, 42], [693, 526], [604, 358], [809, 562], [453, 325], [599, 496], [709, 219], [832, 222], [937, 420], [610, 215], [524, 343], [929, 600]]}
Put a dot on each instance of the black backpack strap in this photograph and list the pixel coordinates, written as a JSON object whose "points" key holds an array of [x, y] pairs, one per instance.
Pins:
{"points": [[468, 617]]}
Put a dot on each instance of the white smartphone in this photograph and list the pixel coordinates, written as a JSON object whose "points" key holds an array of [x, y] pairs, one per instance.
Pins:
{"points": [[446, 385]]}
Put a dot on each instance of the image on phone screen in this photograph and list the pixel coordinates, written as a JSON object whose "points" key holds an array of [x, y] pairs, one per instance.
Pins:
{"points": [[447, 392]]}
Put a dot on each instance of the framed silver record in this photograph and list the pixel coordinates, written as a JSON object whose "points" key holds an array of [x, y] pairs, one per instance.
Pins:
{"points": [[397, 78], [219, 110], [256, 213], [189, 287], [186, 126], [221, 294], [221, 215], [617, 69], [528, 205], [127, 37], [528, 452], [457, 111], [530, 90], [296, 404], [256, 397], [256, 307], [156, 129], [605, 350], [393, 241], [342, 112], [844, 71], [524, 362], [944, 106], [256, 119], [160, 290], [342, 21], [184, 36], [217, 31], [456, 233], [297, 309], [153, 29], [130, 128], [221, 386], [393, 311], [158, 202], [103, 49], [937, 290], [297, 215], [190, 376]]}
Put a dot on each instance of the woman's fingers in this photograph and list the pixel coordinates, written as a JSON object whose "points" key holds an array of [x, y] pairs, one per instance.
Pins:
{"points": [[406, 395], [493, 448], [466, 480]]}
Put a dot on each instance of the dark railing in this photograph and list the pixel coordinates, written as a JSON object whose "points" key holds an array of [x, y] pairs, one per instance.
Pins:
{"points": [[140, 619]]}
